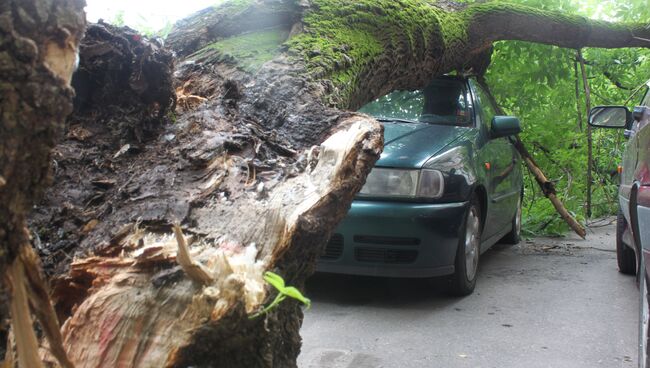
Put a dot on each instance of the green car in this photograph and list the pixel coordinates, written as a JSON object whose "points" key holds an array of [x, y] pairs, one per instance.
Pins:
{"points": [[447, 186]]}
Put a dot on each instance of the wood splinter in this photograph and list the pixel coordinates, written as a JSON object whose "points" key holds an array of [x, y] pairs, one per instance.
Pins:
{"points": [[21, 319], [194, 270], [29, 290]]}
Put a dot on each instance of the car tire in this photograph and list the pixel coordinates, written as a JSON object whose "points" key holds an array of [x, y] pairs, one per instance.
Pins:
{"points": [[624, 255], [514, 236], [463, 281]]}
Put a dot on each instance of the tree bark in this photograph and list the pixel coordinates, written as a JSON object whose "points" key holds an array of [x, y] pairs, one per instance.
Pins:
{"points": [[590, 144], [37, 58], [577, 84], [261, 163]]}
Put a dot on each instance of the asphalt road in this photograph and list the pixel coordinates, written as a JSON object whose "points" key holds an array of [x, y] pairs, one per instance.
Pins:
{"points": [[544, 303]]}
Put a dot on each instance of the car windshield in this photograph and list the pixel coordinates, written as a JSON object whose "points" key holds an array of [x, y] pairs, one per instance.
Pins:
{"points": [[444, 101]]}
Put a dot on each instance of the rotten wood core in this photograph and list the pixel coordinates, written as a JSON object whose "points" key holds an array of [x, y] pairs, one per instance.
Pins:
{"points": [[167, 305]]}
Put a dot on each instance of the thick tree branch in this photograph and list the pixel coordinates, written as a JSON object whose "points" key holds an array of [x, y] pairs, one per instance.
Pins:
{"points": [[491, 22], [360, 51]]}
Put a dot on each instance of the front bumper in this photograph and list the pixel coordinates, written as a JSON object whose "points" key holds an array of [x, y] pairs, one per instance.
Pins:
{"points": [[395, 239]]}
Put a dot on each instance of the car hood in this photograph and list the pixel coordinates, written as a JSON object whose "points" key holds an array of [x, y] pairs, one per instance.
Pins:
{"points": [[410, 145]]}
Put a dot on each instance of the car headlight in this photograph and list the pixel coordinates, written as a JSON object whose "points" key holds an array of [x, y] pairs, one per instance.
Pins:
{"points": [[383, 182]]}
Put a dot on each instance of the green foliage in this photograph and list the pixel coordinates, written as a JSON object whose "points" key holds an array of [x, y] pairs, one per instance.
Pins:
{"points": [[537, 83], [283, 292], [118, 20]]}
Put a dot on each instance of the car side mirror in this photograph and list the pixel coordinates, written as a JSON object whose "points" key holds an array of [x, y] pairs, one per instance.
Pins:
{"points": [[616, 117], [504, 126]]}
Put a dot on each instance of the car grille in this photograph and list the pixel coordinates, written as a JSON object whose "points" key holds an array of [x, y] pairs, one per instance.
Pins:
{"points": [[379, 255], [334, 248], [385, 240]]}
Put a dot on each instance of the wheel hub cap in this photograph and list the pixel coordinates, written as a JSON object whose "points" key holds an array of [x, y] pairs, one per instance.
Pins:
{"points": [[472, 241]]}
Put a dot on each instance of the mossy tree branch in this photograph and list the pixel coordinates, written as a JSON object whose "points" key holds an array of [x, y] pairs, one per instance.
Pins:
{"points": [[361, 50], [502, 21]]}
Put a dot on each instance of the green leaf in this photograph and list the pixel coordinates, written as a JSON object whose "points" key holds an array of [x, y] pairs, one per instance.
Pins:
{"points": [[274, 279], [283, 292], [296, 294]]}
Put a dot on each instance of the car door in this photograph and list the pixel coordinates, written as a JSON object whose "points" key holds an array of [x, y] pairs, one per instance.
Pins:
{"points": [[632, 170], [498, 158]]}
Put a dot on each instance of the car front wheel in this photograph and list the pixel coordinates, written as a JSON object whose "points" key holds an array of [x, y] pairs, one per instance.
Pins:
{"points": [[463, 280]]}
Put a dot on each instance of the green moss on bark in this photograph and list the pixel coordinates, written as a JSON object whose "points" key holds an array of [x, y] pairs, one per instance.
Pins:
{"points": [[249, 51], [234, 6], [341, 40], [361, 49], [344, 41]]}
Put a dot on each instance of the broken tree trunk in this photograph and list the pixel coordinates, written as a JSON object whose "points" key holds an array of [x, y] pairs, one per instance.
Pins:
{"points": [[547, 186], [259, 165]]}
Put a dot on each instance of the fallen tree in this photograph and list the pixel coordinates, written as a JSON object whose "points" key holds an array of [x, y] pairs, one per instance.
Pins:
{"points": [[262, 160]]}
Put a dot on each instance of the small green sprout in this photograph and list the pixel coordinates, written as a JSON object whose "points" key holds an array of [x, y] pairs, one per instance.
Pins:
{"points": [[283, 292]]}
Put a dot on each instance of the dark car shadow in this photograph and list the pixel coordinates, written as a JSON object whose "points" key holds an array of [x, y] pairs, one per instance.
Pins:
{"points": [[351, 290], [383, 292]]}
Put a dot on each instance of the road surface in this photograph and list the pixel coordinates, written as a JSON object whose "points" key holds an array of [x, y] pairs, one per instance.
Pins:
{"points": [[546, 303]]}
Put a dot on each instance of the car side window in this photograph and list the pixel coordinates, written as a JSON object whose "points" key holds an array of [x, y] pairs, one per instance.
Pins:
{"points": [[646, 99], [488, 111]]}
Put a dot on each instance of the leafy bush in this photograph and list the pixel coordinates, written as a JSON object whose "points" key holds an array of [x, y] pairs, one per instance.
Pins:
{"points": [[537, 83]]}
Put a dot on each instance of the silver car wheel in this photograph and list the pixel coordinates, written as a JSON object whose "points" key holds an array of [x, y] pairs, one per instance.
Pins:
{"points": [[472, 242]]}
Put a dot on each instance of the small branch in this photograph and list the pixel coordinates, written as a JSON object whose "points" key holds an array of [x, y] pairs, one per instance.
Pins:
{"points": [[30, 290], [194, 270], [615, 82], [642, 39], [549, 190], [603, 98], [636, 90], [39, 300], [606, 74], [547, 186]]}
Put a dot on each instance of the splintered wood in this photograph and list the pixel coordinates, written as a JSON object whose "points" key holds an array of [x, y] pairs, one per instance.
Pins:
{"points": [[143, 307]]}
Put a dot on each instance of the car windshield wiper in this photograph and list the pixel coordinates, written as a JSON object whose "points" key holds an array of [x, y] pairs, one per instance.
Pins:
{"points": [[394, 120]]}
